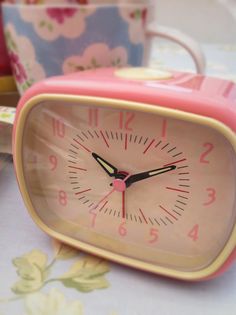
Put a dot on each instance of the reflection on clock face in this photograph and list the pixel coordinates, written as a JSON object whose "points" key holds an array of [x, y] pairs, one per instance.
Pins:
{"points": [[140, 184]]}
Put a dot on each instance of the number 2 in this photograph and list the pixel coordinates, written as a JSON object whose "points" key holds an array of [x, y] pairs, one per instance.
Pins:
{"points": [[209, 147]]}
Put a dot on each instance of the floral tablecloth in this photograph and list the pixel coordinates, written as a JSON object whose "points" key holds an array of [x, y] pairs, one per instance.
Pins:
{"points": [[39, 276]]}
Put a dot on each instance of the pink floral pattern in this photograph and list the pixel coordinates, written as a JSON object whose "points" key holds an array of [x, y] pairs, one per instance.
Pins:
{"points": [[52, 22], [47, 1], [96, 56], [139, 14], [136, 19], [17, 68], [60, 14], [25, 67]]}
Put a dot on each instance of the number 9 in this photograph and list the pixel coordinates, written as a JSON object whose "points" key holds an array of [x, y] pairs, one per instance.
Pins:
{"points": [[53, 161]]}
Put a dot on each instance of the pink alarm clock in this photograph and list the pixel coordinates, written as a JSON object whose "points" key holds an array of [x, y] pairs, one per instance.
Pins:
{"points": [[135, 165]]}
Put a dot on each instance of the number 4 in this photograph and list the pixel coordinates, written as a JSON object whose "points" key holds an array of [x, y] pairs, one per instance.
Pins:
{"points": [[194, 233]]}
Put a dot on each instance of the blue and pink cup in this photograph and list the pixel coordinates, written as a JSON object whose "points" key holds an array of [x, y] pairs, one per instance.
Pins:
{"points": [[60, 37]]}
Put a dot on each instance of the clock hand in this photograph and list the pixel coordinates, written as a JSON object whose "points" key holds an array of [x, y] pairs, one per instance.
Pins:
{"points": [[123, 205], [118, 185], [104, 198], [108, 168], [144, 175]]}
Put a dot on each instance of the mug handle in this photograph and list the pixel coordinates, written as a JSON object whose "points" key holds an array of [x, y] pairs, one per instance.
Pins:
{"points": [[183, 40]]}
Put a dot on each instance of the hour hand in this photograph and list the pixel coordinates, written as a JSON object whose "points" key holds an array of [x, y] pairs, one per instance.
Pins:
{"points": [[140, 176], [108, 168]]}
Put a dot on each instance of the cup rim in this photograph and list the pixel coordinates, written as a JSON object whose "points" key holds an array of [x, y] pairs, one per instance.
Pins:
{"points": [[80, 6]]}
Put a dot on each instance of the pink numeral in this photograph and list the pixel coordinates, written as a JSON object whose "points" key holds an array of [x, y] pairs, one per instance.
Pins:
{"points": [[122, 230], [209, 147], [62, 197], [163, 129], [93, 117], [94, 216], [53, 161], [58, 128], [194, 232], [125, 120], [211, 196], [154, 235]]}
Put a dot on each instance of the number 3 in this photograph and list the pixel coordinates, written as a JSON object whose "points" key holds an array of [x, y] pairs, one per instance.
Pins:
{"points": [[211, 196]]}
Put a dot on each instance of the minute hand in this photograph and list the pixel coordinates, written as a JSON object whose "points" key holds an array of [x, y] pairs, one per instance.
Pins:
{"points": [[140, 176]]}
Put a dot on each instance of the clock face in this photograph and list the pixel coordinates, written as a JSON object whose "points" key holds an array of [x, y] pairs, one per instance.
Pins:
{"points": [[137, 183]]}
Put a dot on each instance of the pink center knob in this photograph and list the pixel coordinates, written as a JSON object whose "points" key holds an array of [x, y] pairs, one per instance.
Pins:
{"points": [[119, 185]]}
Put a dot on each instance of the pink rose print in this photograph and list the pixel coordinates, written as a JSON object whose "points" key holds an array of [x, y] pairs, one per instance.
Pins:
{"points": [[136, 19], [82, 1], [96, 56], [79, 1], [17, 68], [139, 14], [33, 1], [60, 14], [25, 1]]}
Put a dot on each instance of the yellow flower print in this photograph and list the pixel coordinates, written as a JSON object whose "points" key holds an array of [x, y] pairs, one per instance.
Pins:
{"points": [[53, 303], [31, 268], [86, 274], [63, 252]]}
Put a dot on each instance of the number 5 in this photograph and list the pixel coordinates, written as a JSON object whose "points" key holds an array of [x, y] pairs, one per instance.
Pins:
{"points": [[154, 234]]}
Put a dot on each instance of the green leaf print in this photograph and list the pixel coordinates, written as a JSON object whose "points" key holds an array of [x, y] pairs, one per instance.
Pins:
{"points": [[53, 303], [42, 23], [86, 275], [31, 268], [94, 63], [63, 252], [50, 27], [10, 42]]}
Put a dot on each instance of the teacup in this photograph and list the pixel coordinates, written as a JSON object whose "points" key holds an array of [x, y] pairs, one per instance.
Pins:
{"points": [[5, 67], [51, 39]]}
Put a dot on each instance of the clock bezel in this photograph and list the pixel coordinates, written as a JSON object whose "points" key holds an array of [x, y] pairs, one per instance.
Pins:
{"points": [[204, 273]]}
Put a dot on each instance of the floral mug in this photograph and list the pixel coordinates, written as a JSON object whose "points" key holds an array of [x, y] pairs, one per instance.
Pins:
{"points": [[5, 68], [46, 40]]}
